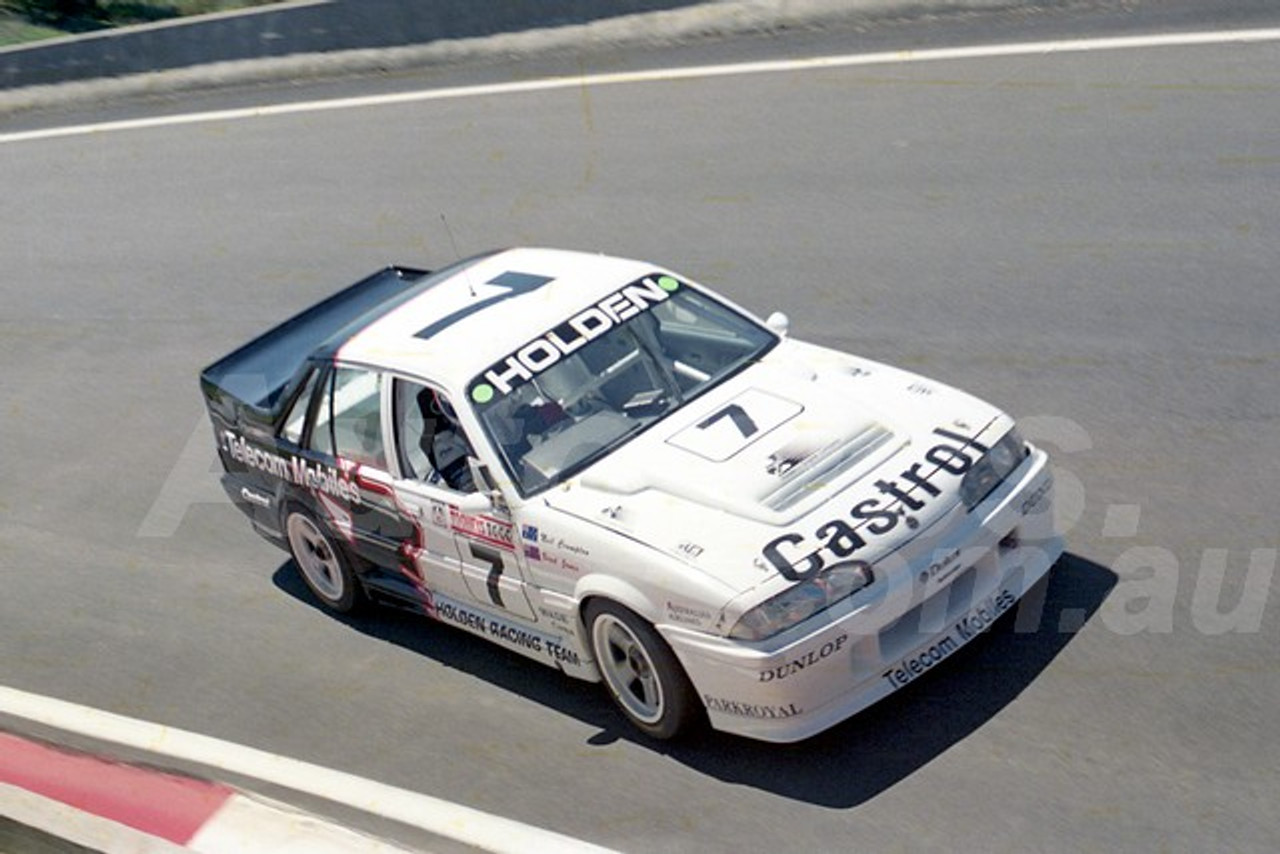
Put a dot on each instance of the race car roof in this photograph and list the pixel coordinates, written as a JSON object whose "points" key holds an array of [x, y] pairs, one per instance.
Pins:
{"points": [[460, 325]]}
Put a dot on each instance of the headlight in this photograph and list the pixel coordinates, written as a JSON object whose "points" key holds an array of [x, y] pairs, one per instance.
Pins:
{"points": [[990, 471], [802, 601]]}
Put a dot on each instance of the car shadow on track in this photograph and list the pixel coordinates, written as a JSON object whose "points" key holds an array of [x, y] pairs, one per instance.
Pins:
{"points": [[840, 768], [873, 751], [458, 650]]}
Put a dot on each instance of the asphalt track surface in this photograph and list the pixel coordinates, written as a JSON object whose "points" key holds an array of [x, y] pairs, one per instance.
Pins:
{"points": [[1088, 239]]}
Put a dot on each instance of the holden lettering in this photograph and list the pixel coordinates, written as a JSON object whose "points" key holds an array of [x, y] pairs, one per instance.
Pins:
{"points": [[541, 353]]}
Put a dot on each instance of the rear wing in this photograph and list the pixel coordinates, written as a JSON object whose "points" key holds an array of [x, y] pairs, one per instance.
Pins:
{"points": [[257, 380]]}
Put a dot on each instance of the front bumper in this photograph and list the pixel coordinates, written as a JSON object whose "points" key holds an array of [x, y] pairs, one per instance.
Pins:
{"points": [[931, 598]]}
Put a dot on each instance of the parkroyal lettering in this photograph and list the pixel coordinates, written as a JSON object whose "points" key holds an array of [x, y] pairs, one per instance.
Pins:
{"points": [[749, 710], [798, 557], [292, 469], [585, 326]]}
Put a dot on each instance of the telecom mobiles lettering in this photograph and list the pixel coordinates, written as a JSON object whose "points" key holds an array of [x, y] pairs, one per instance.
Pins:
{"points": [[873, 517], [969, 627], [585, 326], [294, 469]]}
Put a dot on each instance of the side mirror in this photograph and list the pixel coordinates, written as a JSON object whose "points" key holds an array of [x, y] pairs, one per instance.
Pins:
{"points": [[480, 475], [487, 495], [475, 503], [778, 323]]}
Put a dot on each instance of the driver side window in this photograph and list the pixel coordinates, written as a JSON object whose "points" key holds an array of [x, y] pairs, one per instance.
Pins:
{"points": [[431, 446]]}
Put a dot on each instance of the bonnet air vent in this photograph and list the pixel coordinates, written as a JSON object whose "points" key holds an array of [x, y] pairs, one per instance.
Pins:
{"points": [[826, 466]]}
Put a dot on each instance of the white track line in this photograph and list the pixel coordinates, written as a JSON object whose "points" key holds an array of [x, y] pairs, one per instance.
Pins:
{"points": [[663, 75], [470, 826], [78, 827]]}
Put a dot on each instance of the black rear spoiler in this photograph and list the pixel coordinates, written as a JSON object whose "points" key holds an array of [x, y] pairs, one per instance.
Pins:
{"points": [[256, 380]]}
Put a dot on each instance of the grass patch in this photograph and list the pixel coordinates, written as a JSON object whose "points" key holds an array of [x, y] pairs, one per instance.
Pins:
{"points": [[15, 29], [23, 21]]}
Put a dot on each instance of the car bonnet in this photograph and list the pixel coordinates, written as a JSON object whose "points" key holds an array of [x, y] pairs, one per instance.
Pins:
{"points": [[828, 439]]}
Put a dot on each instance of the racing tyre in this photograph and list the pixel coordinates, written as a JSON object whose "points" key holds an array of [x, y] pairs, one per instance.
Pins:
{"points": [[322, 563], [641, 672]]}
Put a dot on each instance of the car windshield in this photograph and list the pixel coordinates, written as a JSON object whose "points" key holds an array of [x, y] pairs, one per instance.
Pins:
{"points": [[571, 396]]}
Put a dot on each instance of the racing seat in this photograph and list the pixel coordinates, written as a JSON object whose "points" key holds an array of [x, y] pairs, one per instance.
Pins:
{"points": [[445, 447]]}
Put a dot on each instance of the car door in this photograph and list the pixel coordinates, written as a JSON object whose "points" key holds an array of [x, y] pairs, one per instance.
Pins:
{"points": [[346, 470], [463, 546]]}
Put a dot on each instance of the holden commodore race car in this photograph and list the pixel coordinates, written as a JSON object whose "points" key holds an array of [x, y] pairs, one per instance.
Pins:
{"points": [[601, 465]]}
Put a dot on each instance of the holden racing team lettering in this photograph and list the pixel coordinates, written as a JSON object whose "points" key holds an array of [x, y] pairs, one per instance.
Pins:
{"points": [[292, 469], [505, 632], [798, 558], [585, 326]]}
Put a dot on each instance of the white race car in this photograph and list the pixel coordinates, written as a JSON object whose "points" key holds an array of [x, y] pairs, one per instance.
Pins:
{"points": [[597, 463]]}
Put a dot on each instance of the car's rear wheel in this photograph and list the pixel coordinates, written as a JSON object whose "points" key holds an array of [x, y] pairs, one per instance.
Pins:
{"points": [[641, 672], [321, 563]]}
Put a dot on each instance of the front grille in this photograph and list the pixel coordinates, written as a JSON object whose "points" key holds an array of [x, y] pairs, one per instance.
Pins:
{"points": [[930, 617]]}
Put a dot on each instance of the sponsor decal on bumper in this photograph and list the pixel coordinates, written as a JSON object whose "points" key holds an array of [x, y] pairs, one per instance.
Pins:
{"points": [[961, 632], [750, 710], [833, 675]]}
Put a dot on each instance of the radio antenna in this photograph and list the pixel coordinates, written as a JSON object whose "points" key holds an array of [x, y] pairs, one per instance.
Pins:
{"points": [[456, 253]]}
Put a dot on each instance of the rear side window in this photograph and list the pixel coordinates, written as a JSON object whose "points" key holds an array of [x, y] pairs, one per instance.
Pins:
{"points": [[356, 403], [296, 420], [322, 431]]}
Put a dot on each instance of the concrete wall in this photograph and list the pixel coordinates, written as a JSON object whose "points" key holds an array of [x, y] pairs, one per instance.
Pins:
{"points": [[307, 27]]}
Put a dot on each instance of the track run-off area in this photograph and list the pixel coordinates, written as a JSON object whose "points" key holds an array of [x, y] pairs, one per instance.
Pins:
{"points": [[660, 76], [1081, 230]]}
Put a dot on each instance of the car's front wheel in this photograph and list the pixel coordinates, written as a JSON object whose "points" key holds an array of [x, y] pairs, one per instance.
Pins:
{"points": [[641, 672], [321, 563]]}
